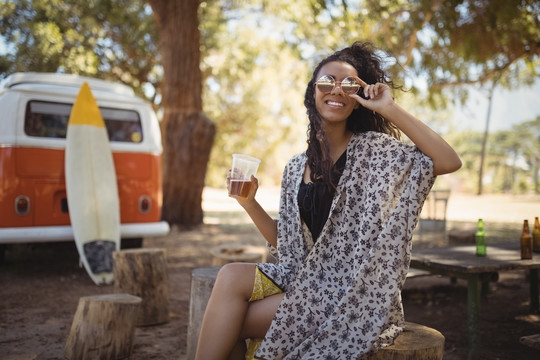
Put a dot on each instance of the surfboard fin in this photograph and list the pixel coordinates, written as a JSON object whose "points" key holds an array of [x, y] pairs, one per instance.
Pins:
{"points": [[99, 255]]}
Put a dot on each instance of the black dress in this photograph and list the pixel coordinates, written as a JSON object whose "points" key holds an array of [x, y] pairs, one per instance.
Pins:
{"points": [[315, 199]]}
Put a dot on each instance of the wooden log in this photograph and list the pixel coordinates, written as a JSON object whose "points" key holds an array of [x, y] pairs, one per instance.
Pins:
{"points": [[228, 253], [202, 283], [103, 327], [417, 342], [143, 273]]}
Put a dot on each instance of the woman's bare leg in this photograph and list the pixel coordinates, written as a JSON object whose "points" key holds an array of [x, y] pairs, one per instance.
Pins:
{"points": [[226, 311], [258, 319], [259, 316], [230, 317]]}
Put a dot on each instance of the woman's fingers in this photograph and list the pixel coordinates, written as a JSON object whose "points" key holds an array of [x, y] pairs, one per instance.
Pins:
{"points": [[254, 186], [376, 96], [363, 83]]}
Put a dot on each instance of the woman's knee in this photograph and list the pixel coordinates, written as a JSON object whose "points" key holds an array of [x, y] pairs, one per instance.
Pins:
{"points": [[238, 277]]}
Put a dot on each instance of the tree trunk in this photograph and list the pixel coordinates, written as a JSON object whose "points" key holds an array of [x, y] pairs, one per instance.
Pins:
{"points": [[536, 181], [484, 141], [188, 133]]}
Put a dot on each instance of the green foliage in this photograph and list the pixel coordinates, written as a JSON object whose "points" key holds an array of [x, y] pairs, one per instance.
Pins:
{"points": [[512, 162], [108, 39], [254, 93]]}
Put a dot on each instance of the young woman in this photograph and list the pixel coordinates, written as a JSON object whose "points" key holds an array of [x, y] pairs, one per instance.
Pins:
{"points": [[348, 208]]}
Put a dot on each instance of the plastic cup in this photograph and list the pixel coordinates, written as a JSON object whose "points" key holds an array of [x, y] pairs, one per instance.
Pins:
{"points": [[243, 166]]}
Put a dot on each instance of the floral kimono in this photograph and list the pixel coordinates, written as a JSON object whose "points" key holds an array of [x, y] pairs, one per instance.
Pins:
{"points": [[343, 292]]}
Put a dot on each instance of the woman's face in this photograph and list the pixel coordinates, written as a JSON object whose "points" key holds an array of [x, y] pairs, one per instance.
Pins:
{"points": [[335, 107]]}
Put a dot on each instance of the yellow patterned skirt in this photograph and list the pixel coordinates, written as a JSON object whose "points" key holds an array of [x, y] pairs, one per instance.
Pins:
{"points": [[262, 288]]}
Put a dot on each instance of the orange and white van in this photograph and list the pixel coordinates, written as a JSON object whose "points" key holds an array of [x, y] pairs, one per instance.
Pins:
{"points": [[34, 113]]}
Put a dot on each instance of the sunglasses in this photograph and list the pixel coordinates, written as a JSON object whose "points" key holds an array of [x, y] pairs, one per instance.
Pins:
{"points": [[350, 85]]}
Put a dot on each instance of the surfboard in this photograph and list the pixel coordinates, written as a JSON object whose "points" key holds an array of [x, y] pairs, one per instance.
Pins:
{"points": [[92, 192]]}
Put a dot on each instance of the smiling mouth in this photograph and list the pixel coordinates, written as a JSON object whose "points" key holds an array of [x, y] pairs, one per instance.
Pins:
{"points": [[335, 103]]}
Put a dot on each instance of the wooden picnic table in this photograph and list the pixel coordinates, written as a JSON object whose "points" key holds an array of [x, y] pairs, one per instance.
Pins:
{"points": [[461, 262]]}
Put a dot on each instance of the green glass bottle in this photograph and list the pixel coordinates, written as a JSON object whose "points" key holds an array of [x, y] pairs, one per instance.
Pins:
{"points": [[480, 238]]}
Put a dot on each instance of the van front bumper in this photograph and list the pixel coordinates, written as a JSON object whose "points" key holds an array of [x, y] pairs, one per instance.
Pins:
{"points": [[34, 234]]}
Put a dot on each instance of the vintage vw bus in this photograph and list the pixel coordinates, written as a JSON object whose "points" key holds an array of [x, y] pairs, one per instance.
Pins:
{"points": [[34, 112]]}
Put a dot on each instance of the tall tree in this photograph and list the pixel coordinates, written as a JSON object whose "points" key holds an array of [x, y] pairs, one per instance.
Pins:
{"points": [[188, 133], [528, 134], [485, 139]]}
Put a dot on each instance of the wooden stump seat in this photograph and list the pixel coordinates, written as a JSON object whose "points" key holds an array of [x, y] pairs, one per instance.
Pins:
{"points": [[103, 327], [531, 341], [417, 342], [202, 283], [228, 253], [143, 273]]}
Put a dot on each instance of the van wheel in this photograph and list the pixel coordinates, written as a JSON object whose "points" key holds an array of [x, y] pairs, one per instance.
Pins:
{"points": [[131, 243]]}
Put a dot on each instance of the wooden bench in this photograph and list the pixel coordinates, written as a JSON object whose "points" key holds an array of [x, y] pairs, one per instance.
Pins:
{"points": [[461, 236], [414, 273], [417, 342]]}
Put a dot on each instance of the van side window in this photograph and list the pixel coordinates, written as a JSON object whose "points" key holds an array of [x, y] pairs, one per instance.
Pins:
{"points": [[50, 119], [46, 119]]}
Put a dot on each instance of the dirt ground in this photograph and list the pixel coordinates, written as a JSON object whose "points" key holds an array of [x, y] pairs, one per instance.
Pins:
{"points": [[42, 283]]}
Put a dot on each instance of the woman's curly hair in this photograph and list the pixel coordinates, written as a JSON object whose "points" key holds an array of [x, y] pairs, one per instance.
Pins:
{"points": [[362, 56]]}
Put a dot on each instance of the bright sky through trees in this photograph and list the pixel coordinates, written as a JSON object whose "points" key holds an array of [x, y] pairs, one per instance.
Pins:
{"points": [[510, 107]]}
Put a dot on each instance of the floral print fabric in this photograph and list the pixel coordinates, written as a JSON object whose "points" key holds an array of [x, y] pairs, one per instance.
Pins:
{"points": [[343, 293]]}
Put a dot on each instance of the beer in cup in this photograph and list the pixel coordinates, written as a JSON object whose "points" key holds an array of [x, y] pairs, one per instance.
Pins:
{"points": [[243, 166]]}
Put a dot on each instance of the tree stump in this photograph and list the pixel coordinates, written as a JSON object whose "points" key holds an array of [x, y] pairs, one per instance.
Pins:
{"points": [[143, 273], [228, 253], [202, 283], [103, 327], [531, 340], [417, 342]]}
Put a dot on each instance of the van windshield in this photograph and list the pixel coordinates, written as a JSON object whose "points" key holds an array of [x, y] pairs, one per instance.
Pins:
{"points": [[50, 120]]}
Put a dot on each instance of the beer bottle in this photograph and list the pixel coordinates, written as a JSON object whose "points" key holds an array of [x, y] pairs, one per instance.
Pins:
{"points": [[480, 238], [526, 242], [536, 235]]}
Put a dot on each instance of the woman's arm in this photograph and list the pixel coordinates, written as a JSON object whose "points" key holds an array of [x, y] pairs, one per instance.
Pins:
{"points": [[264, 222], [445, 160]]}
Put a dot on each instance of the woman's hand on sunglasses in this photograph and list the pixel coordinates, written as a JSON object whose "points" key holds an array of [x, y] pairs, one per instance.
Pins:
{"points": [[377, 96]]}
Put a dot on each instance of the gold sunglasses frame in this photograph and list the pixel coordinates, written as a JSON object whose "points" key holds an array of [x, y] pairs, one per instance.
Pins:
{"points": [[335, 83]]}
